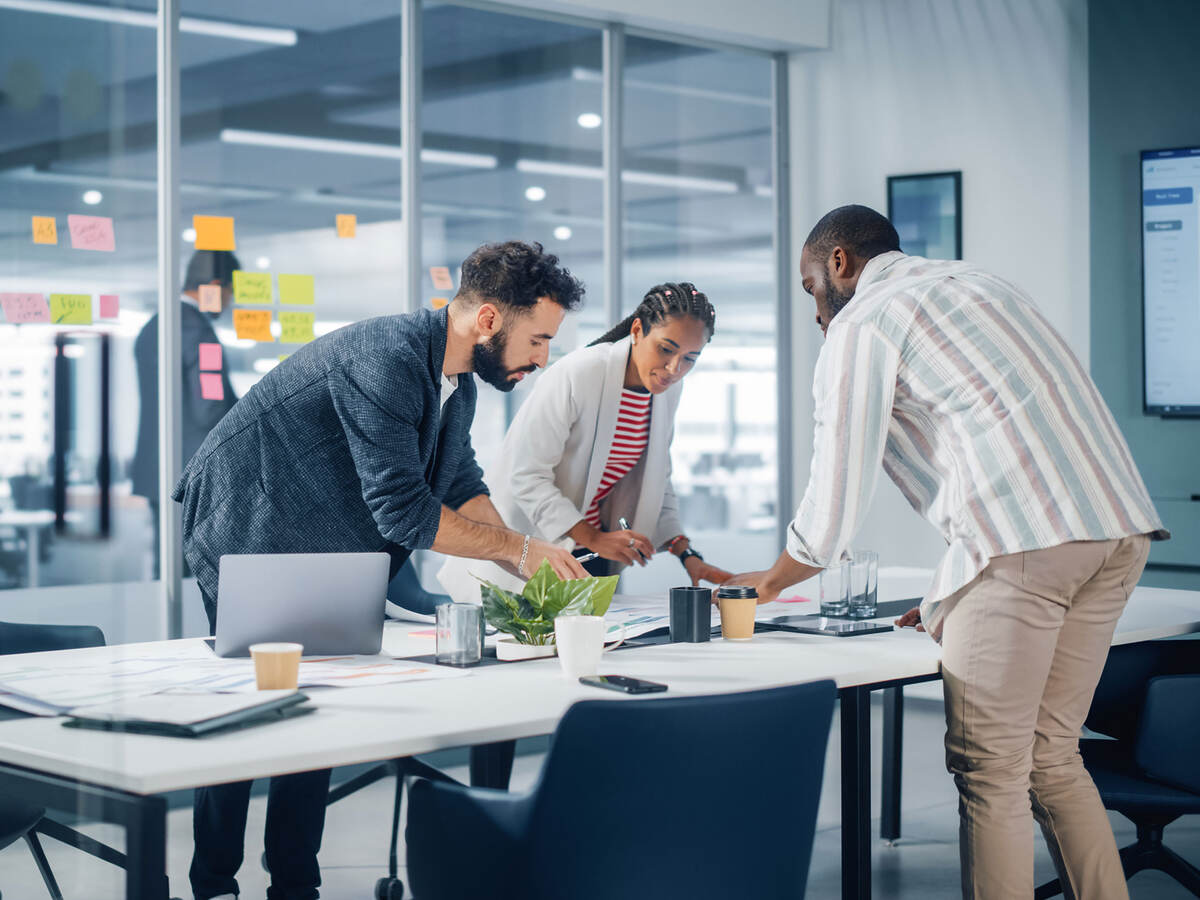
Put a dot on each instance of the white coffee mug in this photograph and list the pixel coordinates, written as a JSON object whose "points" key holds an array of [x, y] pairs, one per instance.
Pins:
{"points": [[580, 641]]}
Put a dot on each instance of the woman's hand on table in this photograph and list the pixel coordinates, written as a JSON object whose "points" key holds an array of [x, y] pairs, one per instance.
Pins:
{"points": [[699, 571]]}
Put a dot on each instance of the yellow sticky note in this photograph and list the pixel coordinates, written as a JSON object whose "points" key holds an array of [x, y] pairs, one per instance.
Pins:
{"points": [[283, 356], [45, 231], [71, 309], [251, 287], [296, 289], [214, 232], [253, 325], [296, 327], [439, 302], [347, 225]]}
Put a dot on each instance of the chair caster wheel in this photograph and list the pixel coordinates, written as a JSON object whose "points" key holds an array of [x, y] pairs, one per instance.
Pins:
{"points": [[389, 889]]}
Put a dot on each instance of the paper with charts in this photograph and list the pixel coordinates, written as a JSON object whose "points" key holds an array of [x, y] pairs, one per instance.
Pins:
{"points": [[139, 670]]}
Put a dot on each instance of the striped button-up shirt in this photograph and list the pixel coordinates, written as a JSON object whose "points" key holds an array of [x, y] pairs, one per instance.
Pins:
{"points": [[977, 410]]}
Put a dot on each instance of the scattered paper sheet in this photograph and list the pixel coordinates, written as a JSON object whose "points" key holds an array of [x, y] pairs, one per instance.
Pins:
{"points": [[214, 232], [296, 289], [441, 278], [21, 309], [251, 287], [296, 327], [210, 357], [92, 233], [347, 225], [253, 325], [211, 387], [110, 306], [210, 298], [71, 309], [45, 230]]}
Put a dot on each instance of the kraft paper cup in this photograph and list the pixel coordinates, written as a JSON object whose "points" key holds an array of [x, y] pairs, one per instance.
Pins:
{"points": [[737, 617], [276, 666]]}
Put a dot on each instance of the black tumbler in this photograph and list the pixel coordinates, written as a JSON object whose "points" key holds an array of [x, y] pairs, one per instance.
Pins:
{"points": [[691, 614]]}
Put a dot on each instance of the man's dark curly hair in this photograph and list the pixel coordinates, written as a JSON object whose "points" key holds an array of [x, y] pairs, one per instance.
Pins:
{"points": [[859, 229], [516, 274]]}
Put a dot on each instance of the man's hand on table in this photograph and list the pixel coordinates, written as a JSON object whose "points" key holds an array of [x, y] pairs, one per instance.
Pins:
{"points": [[911, 618]]}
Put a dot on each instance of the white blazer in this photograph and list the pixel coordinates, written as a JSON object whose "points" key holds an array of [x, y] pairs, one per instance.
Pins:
{"points": [[553, 459]]}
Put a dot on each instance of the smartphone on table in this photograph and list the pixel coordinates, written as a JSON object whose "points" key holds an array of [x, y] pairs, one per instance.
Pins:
{"points": [[623, 683]]}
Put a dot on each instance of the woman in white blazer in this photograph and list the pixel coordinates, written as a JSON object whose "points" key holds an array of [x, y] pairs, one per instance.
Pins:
{"points": [[566, 471]]}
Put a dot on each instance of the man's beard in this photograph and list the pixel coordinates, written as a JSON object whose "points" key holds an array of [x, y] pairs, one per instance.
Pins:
{"points": [[488, 359], [836, 299]]}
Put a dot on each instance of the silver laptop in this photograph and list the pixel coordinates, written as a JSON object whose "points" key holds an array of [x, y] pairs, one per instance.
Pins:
{"points": [[332, 603]]}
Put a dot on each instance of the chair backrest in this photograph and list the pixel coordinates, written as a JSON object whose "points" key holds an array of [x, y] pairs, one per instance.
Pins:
{"points": [[21, 638], [712, 796], [1120, 696], [1169, 736]]}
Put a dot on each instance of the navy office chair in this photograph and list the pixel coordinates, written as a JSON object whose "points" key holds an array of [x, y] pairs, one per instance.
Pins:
{"points": [[1148, 699], [672, 797], [18, 820]]}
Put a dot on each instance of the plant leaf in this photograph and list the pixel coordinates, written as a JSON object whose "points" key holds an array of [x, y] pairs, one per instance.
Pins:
{"points": [[537, 587], [602, 596], [577, 597], [500, 609]]}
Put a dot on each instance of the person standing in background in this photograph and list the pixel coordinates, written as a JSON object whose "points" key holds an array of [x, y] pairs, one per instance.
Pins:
{"points": [[198, 416]]}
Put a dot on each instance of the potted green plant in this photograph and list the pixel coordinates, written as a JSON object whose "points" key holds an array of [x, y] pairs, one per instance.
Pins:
{"points": [[527, 618]]}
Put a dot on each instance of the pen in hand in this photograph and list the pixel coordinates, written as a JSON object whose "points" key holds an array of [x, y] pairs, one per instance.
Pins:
{"points": [[624, 525], [587, 557]]}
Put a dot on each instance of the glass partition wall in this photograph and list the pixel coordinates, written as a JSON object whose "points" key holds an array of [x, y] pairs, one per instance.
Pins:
{"points": [[292, 157]]}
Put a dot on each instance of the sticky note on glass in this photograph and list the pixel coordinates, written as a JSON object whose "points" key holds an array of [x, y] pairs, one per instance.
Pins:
{"points": [[71, 309], [210, 298], [110, 306], [296, 289], [441, 278], [92, 233], [214, 232], [210, 357], [439, 302], [211, 387], [251, 287], [253, 325], [20, 309], [347, 225], [296, 327], [45, 231]]}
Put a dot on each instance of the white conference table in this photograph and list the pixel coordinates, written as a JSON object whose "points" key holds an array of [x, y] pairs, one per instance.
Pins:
{"points": [[120, 777]]}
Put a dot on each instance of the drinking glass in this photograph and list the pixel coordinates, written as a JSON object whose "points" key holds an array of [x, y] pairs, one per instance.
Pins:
{"points": [[459, 634], [864, 575], [835, 589]]}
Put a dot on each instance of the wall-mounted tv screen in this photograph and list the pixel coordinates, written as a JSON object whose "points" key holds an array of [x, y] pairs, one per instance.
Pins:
{"points": [[1171, 280]]}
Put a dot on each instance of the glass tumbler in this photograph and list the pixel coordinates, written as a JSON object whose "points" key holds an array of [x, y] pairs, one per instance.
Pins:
{"points": [[864, 576], [459, 634], [835, 589]]}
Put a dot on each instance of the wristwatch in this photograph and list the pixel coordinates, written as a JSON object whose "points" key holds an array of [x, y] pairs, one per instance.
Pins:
{"points": [[683, 557]]}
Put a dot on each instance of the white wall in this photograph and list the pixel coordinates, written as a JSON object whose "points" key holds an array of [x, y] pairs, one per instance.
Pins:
{"points": [[998, 90]]}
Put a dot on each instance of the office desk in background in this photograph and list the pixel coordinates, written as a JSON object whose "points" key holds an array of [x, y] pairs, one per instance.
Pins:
{"points": [[117, 778]]}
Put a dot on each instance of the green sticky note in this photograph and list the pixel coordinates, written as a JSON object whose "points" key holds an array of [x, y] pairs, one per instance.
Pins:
{"points": [[251, 287], [296, 289], [296, 327], [71, 309]]}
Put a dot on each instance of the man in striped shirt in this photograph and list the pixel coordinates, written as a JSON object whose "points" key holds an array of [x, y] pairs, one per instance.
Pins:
{"points": [[951, 379]]}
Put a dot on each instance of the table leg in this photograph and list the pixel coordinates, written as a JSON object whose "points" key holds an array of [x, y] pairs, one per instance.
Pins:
{"points": [[893, 757], [34, 554], [856, 793], [146, 849], [491, 764]]}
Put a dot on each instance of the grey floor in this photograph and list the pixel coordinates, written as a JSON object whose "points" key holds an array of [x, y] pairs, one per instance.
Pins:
{"points": [[923, 865]]}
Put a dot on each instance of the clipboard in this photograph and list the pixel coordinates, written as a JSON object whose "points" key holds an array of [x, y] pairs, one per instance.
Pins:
{"points": [[218, 714]]}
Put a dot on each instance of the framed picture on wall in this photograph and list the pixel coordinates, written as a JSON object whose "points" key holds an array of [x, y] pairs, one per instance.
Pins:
{"points": [[926, 210]]}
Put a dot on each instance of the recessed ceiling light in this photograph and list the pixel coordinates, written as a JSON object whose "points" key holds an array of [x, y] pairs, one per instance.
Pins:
{"points": [[589, 120], [263, 262], [562, 233], [535, 194], [91, 198], [189, 235]]}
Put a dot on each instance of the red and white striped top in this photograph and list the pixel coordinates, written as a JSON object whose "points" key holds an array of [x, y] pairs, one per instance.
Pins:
{"points": [[629, 443]]}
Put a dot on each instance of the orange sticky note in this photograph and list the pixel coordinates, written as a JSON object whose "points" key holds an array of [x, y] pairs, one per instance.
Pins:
{"points": [[211, 387], [214, 232], [45, 231], [210, 298], [92, 233], [21, 309], [210, 357], [441, 278], [439, 302], [253, 325], [110, 306], [347, 225]]}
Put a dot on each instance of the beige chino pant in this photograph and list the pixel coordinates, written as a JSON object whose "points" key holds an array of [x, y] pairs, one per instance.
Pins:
{"points": [[1023, 647]]}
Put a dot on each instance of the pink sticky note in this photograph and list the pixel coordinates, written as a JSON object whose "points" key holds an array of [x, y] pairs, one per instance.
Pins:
{"points": [[211, 387], [92, 233], [210, 357], [22, 308], [796, 599], [110, 306]]}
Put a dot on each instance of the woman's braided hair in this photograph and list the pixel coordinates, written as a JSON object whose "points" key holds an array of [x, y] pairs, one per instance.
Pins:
{"points": [[662, 302]]}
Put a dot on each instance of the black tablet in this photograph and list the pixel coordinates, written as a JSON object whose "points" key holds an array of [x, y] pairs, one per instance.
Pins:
{"points": [[832, 627]]}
